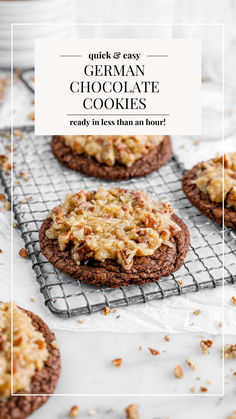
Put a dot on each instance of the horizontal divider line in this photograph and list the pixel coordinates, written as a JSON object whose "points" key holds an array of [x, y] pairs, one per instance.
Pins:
{"points": [[118, 114], [157, 55], [64, 55]]}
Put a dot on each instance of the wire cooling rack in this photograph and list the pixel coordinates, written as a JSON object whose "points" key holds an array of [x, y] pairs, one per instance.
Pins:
{"points": [[40, 183]]}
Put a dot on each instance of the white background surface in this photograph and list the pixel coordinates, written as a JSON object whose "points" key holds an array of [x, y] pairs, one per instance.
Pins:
{"points": [[79, 348]]}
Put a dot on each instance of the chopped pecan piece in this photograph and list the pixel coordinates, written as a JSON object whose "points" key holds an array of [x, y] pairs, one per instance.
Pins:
{"points": [[106, 311], [190, 363], [132, 412], [205, 345], [4, 162], [23, 253], [153, 351], [234, 300], [178, 372], [74, 412], [83, 252], [17, 341], [117, 362], [7, 206], [230, 351]]}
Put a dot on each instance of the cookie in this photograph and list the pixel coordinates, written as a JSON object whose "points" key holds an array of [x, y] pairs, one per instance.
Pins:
{"points": [[163, 262], [88, 165], [201, 200], [44, 381]]}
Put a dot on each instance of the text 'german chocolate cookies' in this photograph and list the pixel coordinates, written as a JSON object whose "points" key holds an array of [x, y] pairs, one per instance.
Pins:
{"points": [[36, 362], [112, 157], [207, 189], [114, 237]]}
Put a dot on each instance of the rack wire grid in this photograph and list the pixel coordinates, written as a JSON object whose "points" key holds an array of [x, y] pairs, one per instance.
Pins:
{"points": [[40, 183]]}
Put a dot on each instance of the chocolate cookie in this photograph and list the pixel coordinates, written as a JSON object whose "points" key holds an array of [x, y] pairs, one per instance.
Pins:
{"points": [[201, 200], [91, 167], [163, 262], [44, 381]]}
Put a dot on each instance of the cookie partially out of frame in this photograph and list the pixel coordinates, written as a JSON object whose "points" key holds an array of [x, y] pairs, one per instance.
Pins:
{"points": [[163, 262], [44, 381], [201, 200], [91, 167]]}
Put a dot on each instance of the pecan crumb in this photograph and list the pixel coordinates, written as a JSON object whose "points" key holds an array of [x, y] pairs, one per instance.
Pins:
{"points": [[190, 363], [7, 206], [234, 300], [2, 197], [220, 324], [23, 252], [205, 345], [106, 311], [31, 116], [167, 338], [197, 312], [74, 412], [4, 162], [18, 341], [153, 351], [203, 389], [81, 321], [18, 133], [132, 412], [117, 362], [32, 300], [230, 351], [178, 372], [140, 348], [5, 134]]}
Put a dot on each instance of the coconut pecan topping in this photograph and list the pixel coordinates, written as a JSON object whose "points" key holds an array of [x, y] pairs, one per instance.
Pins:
{"points": [[210, 180], [113, 224], [29, 350], [110, 149]]}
